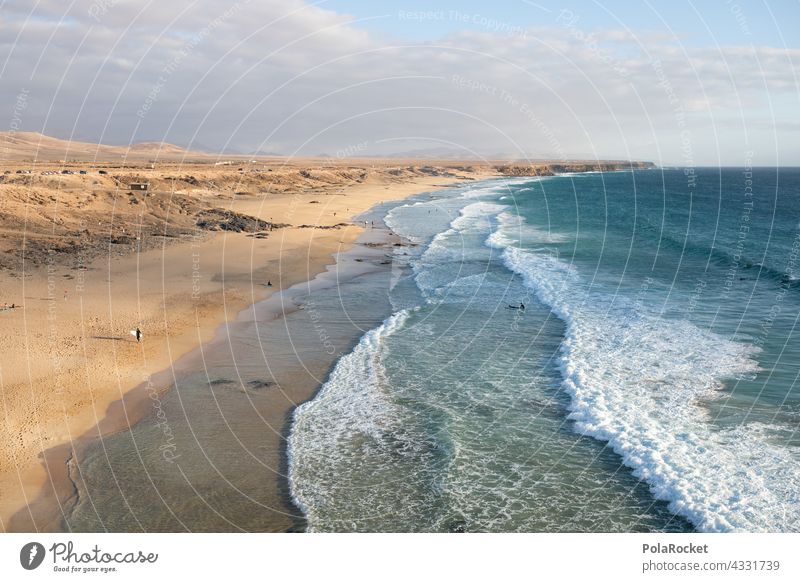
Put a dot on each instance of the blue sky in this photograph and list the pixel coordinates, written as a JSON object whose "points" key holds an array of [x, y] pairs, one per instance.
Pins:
{"points": [[703, 22], [678, 83]]}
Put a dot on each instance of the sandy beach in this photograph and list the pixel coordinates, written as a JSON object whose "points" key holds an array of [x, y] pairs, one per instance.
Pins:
{"points": [[68, 356], [172, 242], [295, 267]]}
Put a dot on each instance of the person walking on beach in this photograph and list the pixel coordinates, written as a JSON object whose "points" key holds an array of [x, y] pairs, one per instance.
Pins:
{"points": [[138, 335]]}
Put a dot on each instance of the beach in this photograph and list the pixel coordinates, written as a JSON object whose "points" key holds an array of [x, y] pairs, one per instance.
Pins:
{"points": [[293, 267], [70, 327], [355, 357]]}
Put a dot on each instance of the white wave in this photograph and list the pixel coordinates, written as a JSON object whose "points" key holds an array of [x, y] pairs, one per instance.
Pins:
{"points": [[495, 188], [435, 267], [476, 215], [351, 404], [636, 380], [514, 230]]}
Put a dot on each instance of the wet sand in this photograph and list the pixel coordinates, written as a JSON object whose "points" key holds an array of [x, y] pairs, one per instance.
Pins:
{"points": [[60, 486]]}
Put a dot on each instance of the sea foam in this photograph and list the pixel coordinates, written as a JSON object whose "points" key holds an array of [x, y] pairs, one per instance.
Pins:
{"points": [[638, 380], [354, 407]]}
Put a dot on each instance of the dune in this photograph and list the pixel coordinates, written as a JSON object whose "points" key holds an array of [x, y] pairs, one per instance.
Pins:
{"points": [[36, 147]]}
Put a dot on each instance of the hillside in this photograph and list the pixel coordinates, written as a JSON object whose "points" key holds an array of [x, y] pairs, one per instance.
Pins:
{"points": [[31, 146]]}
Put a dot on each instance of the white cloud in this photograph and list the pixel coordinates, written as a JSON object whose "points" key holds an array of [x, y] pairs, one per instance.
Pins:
{"points": [[286, 75]]}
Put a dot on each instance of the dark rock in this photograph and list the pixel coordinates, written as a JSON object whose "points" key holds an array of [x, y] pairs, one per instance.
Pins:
{"points": [[322, 227], [260, 384], [218, 219]]}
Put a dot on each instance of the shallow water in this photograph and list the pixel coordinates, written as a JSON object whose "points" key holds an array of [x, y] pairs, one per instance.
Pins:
{"points": [[209, 455], [648, 385]]}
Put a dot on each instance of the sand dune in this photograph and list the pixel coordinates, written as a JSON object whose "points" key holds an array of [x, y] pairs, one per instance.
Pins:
{"points": [[32, 146]]}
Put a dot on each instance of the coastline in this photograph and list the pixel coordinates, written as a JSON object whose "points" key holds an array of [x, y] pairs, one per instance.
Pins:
{"points": [[235, 288]]}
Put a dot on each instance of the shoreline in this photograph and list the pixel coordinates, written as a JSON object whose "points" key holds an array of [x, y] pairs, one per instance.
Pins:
{"points": [[55, 489]]}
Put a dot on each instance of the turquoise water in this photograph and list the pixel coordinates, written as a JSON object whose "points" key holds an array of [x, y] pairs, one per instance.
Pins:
{"points": [[649, 385]]}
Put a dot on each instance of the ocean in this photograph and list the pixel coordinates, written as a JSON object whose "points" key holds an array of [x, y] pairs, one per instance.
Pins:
{"points": [[648, 384]]}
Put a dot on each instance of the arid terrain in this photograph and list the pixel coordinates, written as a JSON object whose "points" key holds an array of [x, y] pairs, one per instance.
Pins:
{"points": [[86, 257]]}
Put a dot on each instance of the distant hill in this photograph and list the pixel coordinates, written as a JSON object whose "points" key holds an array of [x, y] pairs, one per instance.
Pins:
{"points": [[27, 145]]}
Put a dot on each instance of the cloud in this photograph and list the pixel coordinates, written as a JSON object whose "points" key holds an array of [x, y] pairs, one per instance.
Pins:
{"points": [[289, 76]]}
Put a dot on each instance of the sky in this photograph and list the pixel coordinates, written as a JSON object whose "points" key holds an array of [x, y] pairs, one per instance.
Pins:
{"points": [[679, 83], [705, 22]]}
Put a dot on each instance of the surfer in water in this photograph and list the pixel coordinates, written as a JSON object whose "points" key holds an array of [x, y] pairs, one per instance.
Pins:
{"points": [[521, 307]]}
